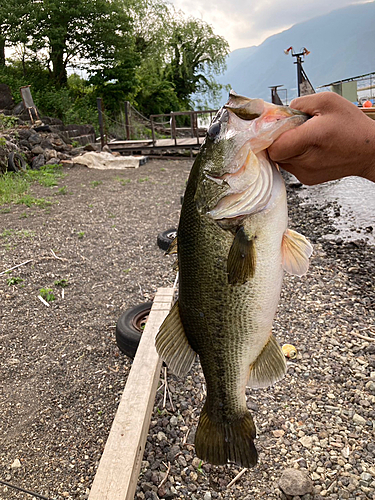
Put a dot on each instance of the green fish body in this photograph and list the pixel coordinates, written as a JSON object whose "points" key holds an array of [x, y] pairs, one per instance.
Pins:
{"points": [[233, 246]]}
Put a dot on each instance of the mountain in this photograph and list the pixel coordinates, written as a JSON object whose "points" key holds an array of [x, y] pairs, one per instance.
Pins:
{"points": [[341, 45]]}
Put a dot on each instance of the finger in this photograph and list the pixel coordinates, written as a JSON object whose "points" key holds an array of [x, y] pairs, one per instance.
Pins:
{"points": [[316, 104], [290, 144]]}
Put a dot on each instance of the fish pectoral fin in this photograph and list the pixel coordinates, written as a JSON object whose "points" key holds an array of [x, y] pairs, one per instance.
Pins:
{"points": [[172, 344], [296, 251], [220, 442], [269, 367], [241, 258]]}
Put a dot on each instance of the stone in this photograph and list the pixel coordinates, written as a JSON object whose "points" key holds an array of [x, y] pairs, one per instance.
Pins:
{"points": [[306, 441], [357, 419], [16, 464], [161, 436], [295, 482], [50, 153], [38, 162], [37, 150], [35, 139]]}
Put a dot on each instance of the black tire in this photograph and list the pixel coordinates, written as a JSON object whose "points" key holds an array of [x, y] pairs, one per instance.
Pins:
{"points": [[165, 238], [130, 326], [16, 162]]}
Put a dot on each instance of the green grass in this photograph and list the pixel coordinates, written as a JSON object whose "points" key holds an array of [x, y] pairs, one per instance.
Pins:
{"points": [[14, 281], [23, 233], [14, 186], [96, 183], [47, 294], [29, 200]]}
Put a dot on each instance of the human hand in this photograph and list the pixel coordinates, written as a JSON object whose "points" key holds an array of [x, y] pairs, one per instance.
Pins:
{"points": [[338, 141]]}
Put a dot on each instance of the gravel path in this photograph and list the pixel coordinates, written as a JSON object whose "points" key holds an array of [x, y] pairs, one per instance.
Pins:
{"points": [[62, 374]]}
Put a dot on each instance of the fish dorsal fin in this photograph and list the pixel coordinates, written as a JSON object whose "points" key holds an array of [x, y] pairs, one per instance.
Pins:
{"points": [[244, 107], [296, 251], [269, 367], [241, 258], [250, 196], [172, 344]]}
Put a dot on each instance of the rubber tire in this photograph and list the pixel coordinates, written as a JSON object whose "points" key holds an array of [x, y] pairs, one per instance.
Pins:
{"points": [[16, 163], [128, 333], [165, 238]]}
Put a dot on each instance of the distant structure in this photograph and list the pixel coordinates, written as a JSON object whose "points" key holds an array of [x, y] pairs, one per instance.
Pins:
{"points": [[304, 86], [275, 98], [356, 89]]}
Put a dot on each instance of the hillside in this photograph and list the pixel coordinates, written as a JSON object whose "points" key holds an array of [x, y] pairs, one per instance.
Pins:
{"points": [[341, 45]]}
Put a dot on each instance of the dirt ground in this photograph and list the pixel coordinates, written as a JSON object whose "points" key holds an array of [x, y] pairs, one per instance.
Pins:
{"points": [[62, 374]]}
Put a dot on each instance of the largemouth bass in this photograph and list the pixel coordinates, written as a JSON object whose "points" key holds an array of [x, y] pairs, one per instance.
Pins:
{"points": [[233, 247]]}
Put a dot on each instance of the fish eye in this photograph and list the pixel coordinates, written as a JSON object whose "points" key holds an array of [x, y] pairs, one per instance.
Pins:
{"points": [[214, 130]]}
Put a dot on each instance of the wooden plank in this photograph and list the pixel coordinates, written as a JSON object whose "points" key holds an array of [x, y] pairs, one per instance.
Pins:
{"points": [[117, 474]]}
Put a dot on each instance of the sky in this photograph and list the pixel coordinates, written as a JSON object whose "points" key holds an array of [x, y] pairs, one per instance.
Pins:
{"points": [[249, 22]]}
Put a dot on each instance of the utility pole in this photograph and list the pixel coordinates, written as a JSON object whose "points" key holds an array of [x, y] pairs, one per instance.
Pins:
{"points": [[304, 86]]}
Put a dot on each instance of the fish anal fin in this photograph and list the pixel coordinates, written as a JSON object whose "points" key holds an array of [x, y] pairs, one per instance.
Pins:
{"points": [[296, 251], [230, 441], [269, 367], [241, 258], [172, 249], [172, 344]]}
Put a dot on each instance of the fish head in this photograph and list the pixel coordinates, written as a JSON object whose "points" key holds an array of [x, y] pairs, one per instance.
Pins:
{"points": [[231, 158]]}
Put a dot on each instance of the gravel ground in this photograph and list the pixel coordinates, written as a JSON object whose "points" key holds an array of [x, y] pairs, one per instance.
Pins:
{"points": [[62, 374]]}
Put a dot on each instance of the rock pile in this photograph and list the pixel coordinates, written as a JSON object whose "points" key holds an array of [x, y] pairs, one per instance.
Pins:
{"points": [[40, 144]]}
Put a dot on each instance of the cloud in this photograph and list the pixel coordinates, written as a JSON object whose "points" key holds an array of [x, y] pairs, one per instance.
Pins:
{"points": [[244, 23]]}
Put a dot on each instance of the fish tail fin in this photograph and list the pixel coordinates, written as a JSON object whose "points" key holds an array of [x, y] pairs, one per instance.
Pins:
{"points": [[222, 442]]}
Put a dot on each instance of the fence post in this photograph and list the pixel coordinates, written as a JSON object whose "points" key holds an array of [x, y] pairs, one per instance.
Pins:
{"points": [[196, 125], [127, 119], [99, 102], [152, 130], [173, 128]]}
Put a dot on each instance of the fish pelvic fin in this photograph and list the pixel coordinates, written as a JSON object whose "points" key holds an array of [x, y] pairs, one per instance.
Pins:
{"points": [[241, 258], [269, 367], [222, 442], [296, 251], [172, 344]]}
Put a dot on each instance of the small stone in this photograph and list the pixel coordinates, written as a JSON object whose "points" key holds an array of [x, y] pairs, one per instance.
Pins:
{"points": [[161, 436], [306, 441], [207, 496], [357, 419], [294, 482], [174, 420], [16, 464], [345, 452], [278, 433], [370, 386], [365, 476]]}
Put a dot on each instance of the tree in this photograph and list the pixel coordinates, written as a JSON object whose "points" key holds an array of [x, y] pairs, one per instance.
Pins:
{"points": [[180, 58], [73, 33], [197, 55]]}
